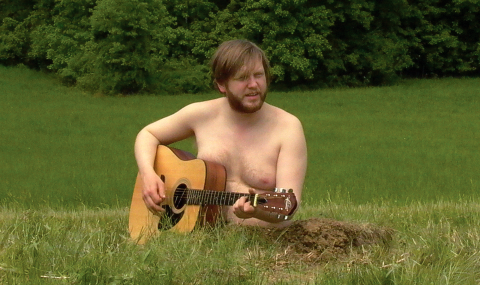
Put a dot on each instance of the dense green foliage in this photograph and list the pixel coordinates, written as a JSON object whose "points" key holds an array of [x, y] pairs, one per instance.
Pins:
{"points": [[119, 46]]}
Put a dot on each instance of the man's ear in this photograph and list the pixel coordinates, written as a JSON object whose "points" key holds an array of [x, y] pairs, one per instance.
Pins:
{"points": [[221, 87]]}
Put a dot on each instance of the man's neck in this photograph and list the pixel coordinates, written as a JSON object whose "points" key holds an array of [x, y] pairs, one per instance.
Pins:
{"points": [[243, 119]]}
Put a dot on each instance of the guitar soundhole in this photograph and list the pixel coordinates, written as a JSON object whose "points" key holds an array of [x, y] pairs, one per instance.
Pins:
{"points": [[174, 213], [180, 196]]}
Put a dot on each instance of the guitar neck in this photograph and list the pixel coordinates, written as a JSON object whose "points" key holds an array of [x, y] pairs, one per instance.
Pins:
{"points": [[209, 197]]}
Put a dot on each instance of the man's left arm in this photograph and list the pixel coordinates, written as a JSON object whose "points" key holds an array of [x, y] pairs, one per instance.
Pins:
{"points": [[290, 174], [292, 160]]}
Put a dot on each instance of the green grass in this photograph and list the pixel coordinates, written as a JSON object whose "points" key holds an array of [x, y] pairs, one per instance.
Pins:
{"points": [[435, 243], [61, 147], [414, 142], [404, 157]]}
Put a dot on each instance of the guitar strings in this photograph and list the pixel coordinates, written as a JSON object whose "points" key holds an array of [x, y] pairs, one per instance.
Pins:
{"points": [[181, 192], [197, 196]]}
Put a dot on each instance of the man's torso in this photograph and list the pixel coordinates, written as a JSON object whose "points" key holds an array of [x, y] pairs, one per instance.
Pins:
{"points": [[249, 153]]}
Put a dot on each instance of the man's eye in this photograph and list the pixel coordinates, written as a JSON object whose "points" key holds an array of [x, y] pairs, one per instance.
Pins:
{"points": [[259, 75]]}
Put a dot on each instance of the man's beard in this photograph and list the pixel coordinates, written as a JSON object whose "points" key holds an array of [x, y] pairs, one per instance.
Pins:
{"points": [[237, 105]]}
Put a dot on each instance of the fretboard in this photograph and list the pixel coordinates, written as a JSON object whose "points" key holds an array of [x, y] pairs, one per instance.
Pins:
{"points": [[209, 197]]}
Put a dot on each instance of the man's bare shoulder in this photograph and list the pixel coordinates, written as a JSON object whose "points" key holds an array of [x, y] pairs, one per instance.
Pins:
{"points": [[284, 118], [202, 108]]}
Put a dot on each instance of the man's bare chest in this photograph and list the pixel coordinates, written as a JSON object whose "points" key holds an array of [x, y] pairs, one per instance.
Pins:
{"points": [[250, 162]]}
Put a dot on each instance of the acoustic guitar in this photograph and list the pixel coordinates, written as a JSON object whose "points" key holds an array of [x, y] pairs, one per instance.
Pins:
{"points": [[194, 190]]}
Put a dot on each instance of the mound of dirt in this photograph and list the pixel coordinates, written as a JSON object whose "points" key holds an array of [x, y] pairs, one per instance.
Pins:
{"points": [[321, 240]]}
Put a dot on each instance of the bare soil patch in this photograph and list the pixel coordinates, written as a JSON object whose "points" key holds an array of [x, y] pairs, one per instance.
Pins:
{"points": [[320, 240]]}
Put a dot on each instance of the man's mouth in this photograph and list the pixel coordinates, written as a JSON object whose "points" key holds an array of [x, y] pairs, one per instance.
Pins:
{"points": [[253, 94]]}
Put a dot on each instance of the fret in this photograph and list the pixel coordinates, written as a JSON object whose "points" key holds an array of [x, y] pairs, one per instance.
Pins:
{"points": [[209, 197]]}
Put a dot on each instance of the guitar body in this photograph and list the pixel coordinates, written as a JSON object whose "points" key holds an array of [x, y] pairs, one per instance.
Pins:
{"points": [[179, 170]]}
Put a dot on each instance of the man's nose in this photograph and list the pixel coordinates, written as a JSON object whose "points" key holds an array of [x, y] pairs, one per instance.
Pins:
{"points": [[252, 82]]}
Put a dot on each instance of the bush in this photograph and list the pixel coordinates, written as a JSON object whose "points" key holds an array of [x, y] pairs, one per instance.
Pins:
{"points": [[292, 33], [127, 48], [14, 35], [13, 41], [120, 46], [449, 37]]}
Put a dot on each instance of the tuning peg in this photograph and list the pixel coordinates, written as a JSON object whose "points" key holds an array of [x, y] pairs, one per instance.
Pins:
{"points": [[279, 216], [281, 190]]}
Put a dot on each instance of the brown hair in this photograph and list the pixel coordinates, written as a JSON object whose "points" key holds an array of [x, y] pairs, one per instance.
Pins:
{"points": [[232, 55]]}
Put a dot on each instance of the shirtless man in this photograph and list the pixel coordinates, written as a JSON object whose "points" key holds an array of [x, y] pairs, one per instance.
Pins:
{"points": [[261, 146]]}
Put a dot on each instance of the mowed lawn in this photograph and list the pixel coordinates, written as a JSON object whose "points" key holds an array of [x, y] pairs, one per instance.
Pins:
{"points": [[418, 141]]}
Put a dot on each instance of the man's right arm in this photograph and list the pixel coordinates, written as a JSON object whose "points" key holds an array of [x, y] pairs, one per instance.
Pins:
{"points": [[145, 151], [165, 131]]}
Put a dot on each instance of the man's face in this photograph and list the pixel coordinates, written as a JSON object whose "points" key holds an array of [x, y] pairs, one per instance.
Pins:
{"points": [[247, 89]]}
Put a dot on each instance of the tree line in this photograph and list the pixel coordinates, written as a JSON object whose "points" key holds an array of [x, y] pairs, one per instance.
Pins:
{"points": [[164, 46]]}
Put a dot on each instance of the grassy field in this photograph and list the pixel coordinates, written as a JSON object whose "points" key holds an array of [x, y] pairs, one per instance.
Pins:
{"points": [[413, 142], [404, 157], [434, 243]]}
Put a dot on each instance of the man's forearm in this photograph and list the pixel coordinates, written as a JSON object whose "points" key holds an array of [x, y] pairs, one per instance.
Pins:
{"points": [[145, 150]]}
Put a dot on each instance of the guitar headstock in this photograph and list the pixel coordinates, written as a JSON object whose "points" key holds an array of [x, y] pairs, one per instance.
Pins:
{"points": [[281, 202]]}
